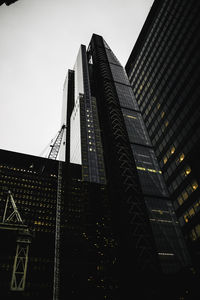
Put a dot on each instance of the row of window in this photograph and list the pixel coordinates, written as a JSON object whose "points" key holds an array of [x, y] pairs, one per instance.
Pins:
{"points": [[195, 233], [190, 188], [163, 34], [153, 34], [190, 212], [172, 166], [180, 130], [186, 170]]}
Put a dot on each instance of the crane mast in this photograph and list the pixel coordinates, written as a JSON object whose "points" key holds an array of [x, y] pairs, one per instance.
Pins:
{"points": [[13, 221]]}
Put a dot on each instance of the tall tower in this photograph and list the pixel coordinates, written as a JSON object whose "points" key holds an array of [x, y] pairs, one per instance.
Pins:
{"points": [[108, 138]]}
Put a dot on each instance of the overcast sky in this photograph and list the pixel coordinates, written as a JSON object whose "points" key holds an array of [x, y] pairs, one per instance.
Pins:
{"points": [[39, 42]]}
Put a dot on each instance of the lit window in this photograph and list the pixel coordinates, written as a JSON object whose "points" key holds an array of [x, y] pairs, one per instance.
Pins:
{"points": [[129, 116], [187, 170], [90, 149], [172, 150], [162, 114], [184, 195], [165, 160], [194, 185], [191, 212], [180, 200], [186, 218], [166, 123], [182, 156]]}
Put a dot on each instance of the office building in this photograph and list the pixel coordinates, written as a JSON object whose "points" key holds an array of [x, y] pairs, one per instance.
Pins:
{"points": [[59, 251], [32, 182], [108, 138], [164, 71]]}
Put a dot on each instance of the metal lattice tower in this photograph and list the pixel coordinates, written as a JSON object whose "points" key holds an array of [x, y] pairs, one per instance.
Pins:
{"points": [[57, 235], [13, 221], [53, 155], [56, 145]]}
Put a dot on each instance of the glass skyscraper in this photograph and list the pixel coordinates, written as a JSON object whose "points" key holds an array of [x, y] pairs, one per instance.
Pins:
{"points": [[109, 140], [164, 70]]}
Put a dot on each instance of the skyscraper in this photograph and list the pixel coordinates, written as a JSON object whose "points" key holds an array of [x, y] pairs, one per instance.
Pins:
{"points": [[108, 138], [164, 71]]}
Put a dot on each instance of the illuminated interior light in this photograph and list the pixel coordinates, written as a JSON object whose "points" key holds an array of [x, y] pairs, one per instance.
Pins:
{"points": [[172, 150], [162, 114], [129, 116], [165, 253], [187, 170], [165, 159], [182, 156], [151, 170], [140, 168], [194, 185]]}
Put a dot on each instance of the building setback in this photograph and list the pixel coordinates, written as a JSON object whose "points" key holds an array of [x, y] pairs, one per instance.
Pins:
{"points": [[164, 71]]}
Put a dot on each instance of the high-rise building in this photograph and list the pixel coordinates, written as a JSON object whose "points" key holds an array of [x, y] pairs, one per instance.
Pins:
{"points": [[32, 182], [108, 138], [164, 71], [98, 224]]}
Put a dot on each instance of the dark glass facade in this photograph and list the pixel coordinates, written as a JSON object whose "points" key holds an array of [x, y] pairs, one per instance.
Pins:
{"points": [[33, 184], [164, 71], [106, 118]]}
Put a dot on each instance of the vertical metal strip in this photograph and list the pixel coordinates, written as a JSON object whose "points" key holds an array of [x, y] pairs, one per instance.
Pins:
{"points": [[57, 236]]}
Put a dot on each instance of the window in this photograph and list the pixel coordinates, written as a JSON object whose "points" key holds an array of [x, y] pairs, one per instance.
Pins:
{"points": [[182, 156], [172, 150], [184, 195], [180, 200], [194, 185], [187, 170]]}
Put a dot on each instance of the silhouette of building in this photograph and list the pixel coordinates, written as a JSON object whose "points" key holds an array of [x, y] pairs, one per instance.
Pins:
{"points": [[7, 2]]}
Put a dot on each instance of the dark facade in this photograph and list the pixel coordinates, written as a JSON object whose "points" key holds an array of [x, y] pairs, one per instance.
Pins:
{"points": [[7, 2], [108, 137], [164, 71], [33, 184], [78, 259]]}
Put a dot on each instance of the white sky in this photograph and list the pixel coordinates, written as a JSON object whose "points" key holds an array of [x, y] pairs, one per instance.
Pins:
{"points": [[39, 42]]}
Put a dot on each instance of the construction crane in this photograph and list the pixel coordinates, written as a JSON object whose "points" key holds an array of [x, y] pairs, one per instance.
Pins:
{"points": [[12, 221], [53, 147], [53, 154]]}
